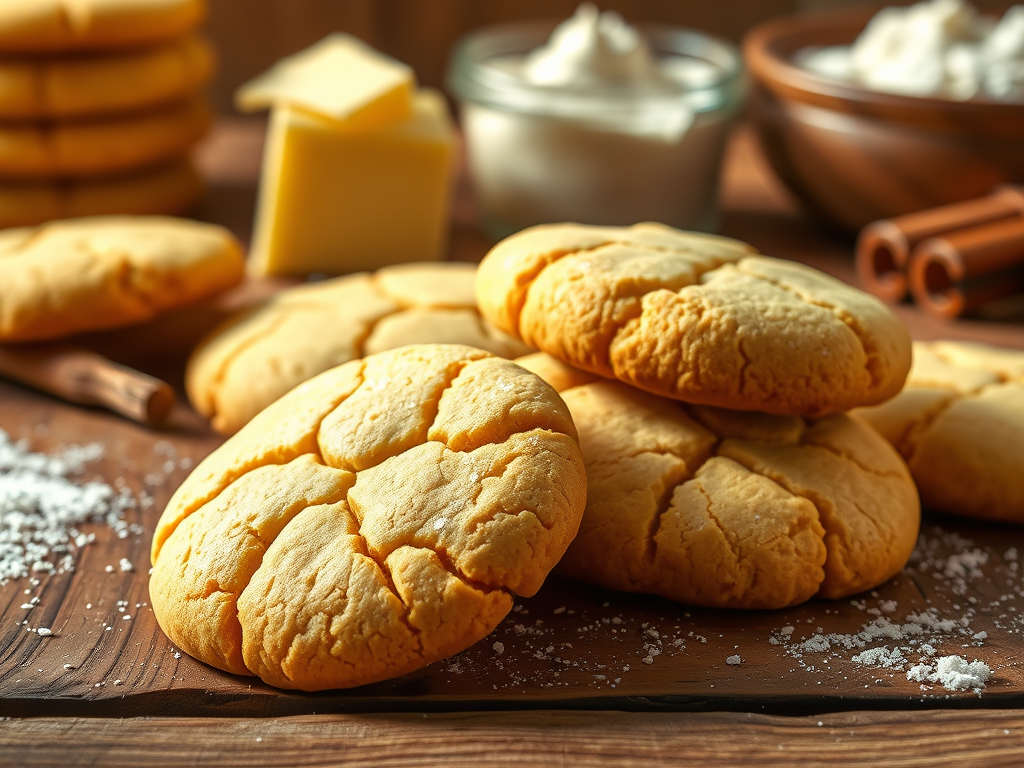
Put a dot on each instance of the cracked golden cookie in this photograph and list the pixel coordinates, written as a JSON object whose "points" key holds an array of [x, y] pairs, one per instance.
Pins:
{"points": [[166, 190], [727, 508], [98, 84], [87, 274], [959, 423], [377, 518], [694, 317], [101, 146], [35, 26], [257, 355]]}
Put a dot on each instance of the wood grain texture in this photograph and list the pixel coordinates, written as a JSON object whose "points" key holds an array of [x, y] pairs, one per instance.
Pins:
{"points": [[578, 739], [535, 667], [570, 647]]}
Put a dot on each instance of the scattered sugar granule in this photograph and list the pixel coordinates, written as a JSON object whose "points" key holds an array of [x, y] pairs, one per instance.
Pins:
{"points": [[816, 644], [955, 673], [44, 631], [499, 648], [126, 565], [40, 507], [965, 564], [881, 657], [734, 660]]}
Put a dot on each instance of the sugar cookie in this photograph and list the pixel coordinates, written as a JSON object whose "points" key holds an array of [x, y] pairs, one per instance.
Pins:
{"points": [[257, 355], [959, 423], [729, 508], [81, 275], [694, 317], [35, 26], [101, 146], [377, 518], [99, 84], [164, 190]]}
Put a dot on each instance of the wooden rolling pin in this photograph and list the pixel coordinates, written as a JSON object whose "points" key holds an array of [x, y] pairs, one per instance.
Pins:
{"points": [[86, 378]]}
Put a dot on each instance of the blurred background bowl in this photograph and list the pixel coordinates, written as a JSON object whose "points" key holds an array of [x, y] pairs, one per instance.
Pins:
{"points": [[854, 155]]}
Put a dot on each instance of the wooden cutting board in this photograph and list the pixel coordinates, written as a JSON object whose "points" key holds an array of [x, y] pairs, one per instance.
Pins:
{"points": [[571, 646]]}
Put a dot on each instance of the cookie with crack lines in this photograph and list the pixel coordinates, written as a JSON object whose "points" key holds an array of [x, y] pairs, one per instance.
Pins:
{"points": [[377, 518], [103, 83], [38, 26], [257, 355], [694, 317], [101, 146], [79, 275], [959, 423], [730, 509]]}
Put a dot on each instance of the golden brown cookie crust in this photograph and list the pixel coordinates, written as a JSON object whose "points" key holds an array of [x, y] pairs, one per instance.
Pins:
{"points": [[959, 423], [731, 509], [101, 84], [80, 275], [377, 518], [694, 317], [101, 146], [258, 355], [35, 26], [166, 190]]}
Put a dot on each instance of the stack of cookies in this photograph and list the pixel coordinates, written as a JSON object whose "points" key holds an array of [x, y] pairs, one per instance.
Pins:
{"points": [[709, 387], [100, 101], [683, 432]]}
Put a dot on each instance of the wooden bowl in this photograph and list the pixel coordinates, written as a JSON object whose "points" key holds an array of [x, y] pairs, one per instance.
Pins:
{"points": [[854, 155]]}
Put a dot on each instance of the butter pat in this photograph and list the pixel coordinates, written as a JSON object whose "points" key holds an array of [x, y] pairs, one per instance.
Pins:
{"points": [[335, 199], [340, 77]]}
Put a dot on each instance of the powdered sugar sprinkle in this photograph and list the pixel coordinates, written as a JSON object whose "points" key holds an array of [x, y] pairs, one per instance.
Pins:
{"points": [[41, 507]]}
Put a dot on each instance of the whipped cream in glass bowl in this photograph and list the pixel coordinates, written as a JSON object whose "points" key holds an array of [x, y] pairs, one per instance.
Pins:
{"points": [[595, 121]]}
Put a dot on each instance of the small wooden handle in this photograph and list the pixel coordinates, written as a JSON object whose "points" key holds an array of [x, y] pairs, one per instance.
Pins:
{"points": [[84, 377]]}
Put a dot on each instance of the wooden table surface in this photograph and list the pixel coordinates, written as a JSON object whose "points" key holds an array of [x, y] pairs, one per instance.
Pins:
{"points": [[574, 676]]}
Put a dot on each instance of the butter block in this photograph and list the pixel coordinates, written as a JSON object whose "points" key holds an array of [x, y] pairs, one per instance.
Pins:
{"points": [[340, 77], [334, 199]]}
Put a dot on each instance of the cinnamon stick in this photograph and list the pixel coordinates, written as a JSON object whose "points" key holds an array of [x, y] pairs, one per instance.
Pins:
{"points": [[86, 378], [958, 272], [884, 247]]}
